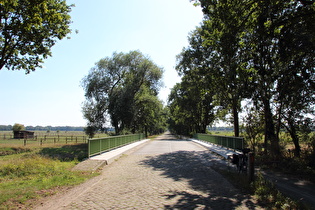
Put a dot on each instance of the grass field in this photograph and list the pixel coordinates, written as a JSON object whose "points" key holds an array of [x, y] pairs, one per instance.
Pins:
{"points": [[46, 138], [221, 133], [35, 168], [31, 172]]}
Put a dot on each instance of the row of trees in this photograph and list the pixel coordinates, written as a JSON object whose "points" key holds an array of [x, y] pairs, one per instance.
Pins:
{"points": [[259, 51], [122, 91]]}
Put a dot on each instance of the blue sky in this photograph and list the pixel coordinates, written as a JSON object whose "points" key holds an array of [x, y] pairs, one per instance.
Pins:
{"points": [[53, 95]]}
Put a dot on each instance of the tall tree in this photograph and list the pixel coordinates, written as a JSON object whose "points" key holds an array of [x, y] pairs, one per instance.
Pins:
{"points": [[28, 30], [191, 105], [114, 87], [221, 31], [148, 113], [194, 96], [266, 50], [281, 45], [297, 59]]}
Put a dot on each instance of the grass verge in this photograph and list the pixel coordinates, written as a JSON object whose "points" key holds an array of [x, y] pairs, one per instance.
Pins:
{"points": [[265, 191], [13, 150], [38, 173]]}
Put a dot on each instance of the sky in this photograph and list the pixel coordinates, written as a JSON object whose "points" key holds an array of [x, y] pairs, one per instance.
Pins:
{"points": [[53, 95]]}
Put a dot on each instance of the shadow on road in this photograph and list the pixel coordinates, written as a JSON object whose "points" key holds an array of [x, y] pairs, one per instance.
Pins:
{"points": [[207, 188], [167, 136]]}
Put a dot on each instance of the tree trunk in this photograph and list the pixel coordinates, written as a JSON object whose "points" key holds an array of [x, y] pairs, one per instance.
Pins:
{"points": [[270, 131], [295, 138], [146, 131], [236, 119]]}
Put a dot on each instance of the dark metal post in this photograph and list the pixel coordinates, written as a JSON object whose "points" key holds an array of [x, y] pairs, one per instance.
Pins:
{"points": [[251, 166]]}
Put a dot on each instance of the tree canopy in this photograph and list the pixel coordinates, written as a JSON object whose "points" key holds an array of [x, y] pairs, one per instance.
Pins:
{"points": [[28, 30], [262, 51], [18, 127], [122, 90]]}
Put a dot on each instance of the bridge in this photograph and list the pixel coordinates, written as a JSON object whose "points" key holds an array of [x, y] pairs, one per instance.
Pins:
{"points": [[166, 173]]}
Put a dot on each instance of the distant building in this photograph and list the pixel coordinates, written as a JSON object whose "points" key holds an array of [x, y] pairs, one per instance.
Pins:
{"points": [[23, 134]]}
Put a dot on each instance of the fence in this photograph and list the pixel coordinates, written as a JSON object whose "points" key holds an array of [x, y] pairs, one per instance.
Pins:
{"points": [[236, 143], [42, 140], [101, 145]]}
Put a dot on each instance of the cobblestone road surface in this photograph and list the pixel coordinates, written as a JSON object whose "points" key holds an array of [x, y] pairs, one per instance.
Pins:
{"points": [[163, 174]]}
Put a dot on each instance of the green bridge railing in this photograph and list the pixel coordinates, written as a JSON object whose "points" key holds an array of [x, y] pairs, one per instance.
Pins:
{"points": [[101, 145], [236, 143]]}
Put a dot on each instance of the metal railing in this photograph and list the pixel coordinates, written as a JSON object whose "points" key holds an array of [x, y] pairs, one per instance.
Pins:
{"points": [[101, 145], [236, 143]]}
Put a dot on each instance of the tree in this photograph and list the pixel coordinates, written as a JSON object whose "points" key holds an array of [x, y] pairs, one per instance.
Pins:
{"points": [[263, 50], [215, 49], [297, 58], [18, 127], [191, 105], [28, 30], [118, 88], [192, 100], [222, 31], [281, 46], [90, 131], [253, 126], [148, 113]]}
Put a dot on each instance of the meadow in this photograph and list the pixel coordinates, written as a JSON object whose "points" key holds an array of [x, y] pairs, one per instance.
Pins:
{"points": [[40, 166], [47, 138]]}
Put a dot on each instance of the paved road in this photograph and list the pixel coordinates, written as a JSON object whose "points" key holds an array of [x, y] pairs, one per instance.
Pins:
{"points": [[163, 174]]}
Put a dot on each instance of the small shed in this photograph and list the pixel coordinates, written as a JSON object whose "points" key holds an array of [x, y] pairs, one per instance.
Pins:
{"points": [[23, 134]]}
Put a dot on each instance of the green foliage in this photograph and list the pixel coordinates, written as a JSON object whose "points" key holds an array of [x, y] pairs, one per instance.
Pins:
{"points": [[66, 153], [190, 110], [90, 131], [18, 127], [253, 126], [28, 30], [267, 194], [13, 150], [262, 51], [265, 191], [124, 89]]}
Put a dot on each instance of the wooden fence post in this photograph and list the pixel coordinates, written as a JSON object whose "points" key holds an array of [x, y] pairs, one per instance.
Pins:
{"points": [[251, 166]]}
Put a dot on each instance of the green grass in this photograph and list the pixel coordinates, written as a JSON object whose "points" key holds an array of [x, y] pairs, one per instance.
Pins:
{"points": [[38, 172], [221, 133], [13, 150], [265, 192], [43, 138]]}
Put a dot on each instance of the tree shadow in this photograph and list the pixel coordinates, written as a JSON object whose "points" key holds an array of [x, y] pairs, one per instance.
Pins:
{"points": [[209, 190], [168, 137], [66, 152]]}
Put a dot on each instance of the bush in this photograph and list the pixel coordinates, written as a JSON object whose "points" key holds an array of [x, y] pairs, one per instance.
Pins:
{"points": [[267, 193], [13, 150], [67, 153]]}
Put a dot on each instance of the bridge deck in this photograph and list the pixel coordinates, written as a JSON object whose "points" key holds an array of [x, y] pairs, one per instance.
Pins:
{"points": [[165, 173]]}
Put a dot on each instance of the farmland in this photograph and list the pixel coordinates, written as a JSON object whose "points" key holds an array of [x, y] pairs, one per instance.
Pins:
{"points": [[46, 138], [34, 168]]}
